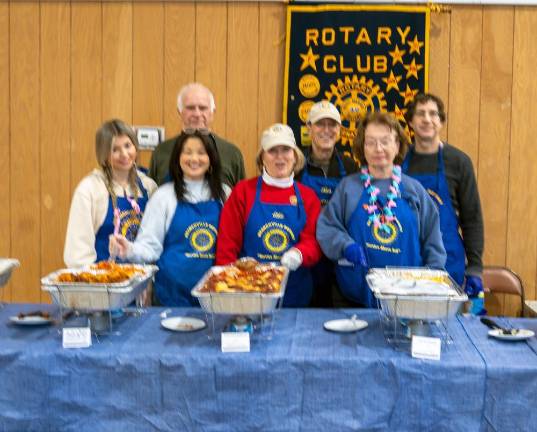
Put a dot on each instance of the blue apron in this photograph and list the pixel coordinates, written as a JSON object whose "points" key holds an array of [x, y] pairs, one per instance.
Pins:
{"points": [[188, 252], [399, 247], [437, 186], [129, 222], [323, 272], [324, 187], [273, 229]]}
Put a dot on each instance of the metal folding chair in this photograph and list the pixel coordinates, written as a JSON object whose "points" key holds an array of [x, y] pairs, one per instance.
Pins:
{"points": [[502, 280]]}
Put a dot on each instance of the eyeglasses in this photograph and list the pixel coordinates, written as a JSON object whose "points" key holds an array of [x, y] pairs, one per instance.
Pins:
{"points": [[193, 131], [432, 114], [372, 143]]}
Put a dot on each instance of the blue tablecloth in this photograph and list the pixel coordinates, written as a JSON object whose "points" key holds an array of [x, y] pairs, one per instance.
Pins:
{"points": [[305, 378]]}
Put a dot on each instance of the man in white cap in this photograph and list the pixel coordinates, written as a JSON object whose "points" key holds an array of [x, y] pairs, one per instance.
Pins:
{"points": [[196, 106], [324, 169], [272, 218]]}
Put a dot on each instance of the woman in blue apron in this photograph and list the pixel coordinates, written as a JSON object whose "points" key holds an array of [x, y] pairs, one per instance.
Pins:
{"points": [[110, 199], [324, 169], [378, 217], [179, 228], [272, 218]]}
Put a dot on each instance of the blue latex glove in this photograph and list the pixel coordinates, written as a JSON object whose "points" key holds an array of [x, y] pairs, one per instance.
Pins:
{"points": [[473, 286], [355, 254], [474, 289]]}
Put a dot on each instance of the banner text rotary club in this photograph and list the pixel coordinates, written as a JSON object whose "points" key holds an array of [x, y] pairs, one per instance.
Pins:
{"points": [[366, 63]]}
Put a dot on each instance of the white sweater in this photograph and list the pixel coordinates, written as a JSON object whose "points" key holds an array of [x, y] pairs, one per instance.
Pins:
{"points": [[158, 216], [88, 211]]}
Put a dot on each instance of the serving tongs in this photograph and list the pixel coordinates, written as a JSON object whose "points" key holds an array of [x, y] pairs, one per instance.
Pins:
{"points": [[495, 326]]}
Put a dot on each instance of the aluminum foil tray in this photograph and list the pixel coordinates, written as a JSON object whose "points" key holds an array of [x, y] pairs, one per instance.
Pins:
{"points": [[98, 296], [238, 303], [400, 299], [6, 268]]}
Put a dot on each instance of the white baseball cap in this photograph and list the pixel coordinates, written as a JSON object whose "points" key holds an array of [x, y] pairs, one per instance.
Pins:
{"points": [[277, 134], [323, 109]]}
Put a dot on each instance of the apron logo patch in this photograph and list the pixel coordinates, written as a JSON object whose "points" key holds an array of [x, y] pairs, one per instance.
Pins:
{"points": [[278, 215], [275, 240], [202, 236], [129, 223], [293, 200], [275, 236], [386, 237]]}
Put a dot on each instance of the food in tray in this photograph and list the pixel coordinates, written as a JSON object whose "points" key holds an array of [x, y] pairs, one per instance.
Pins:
{"points": [[245, 275], [411, 282], [436, 279], [101, 272]]}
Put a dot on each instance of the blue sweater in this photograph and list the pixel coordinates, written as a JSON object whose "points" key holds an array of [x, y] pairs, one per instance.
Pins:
{"points": [[332, 226]]}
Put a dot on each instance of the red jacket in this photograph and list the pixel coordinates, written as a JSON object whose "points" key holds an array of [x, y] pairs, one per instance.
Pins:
{"points": [[237, 210]]}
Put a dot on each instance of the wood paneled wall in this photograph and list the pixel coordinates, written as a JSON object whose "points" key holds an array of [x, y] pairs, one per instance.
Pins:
{"points": [[67, 66]]}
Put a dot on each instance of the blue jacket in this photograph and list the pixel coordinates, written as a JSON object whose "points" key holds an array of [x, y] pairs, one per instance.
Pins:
{"points": [[332, 232]]}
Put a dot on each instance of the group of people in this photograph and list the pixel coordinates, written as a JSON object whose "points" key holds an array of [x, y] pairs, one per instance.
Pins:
{"points": [[322, 215]]}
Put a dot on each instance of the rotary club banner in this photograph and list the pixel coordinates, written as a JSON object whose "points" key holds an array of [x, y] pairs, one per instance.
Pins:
{"points": [[360, 58]]}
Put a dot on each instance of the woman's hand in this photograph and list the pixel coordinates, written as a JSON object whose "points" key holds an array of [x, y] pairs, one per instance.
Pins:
{"points": [[355, 254], [292, 259], [119, 246]]}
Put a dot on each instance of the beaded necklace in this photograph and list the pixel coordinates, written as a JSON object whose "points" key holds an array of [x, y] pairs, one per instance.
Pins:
{"points": [[381, 220]]}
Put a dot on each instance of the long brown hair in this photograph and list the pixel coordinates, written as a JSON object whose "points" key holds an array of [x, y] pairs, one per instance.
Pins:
{"points": [[104, 140]]}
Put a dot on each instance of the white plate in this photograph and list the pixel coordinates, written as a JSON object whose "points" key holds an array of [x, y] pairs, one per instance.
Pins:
{"points": [[183, 324], [522, 334], [345, 325], [32, 320]]}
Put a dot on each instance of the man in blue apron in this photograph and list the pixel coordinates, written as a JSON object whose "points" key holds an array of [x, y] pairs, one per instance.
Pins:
{"points": [[324, 169], [447, 174]]}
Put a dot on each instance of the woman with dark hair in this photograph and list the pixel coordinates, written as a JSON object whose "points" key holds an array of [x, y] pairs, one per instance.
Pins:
{"points": [[378, 217], [180, 224], [111, 198]]}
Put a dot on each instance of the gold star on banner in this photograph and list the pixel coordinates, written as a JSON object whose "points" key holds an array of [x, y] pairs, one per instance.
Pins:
{"points": [[309, 59], [415, 45], [397, 55], [412, 69], [392, 82], [408, 94], [399, 113]]}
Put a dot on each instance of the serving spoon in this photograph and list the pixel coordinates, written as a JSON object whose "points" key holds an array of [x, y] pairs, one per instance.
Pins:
{"points": [[495, 326]]}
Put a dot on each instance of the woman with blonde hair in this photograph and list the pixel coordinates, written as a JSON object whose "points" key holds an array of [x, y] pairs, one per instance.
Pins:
{"points": [[272, 218], [111, 199]]}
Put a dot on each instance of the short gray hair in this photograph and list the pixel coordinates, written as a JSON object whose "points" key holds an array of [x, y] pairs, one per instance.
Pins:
{"points": [[186, 88]]}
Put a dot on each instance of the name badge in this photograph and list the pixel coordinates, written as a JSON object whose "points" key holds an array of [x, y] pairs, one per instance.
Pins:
{"points": [[235, 342], [76, 337], [426, 347]]}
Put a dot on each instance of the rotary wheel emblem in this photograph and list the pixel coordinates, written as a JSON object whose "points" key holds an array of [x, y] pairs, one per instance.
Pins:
{"points": [[354, 98]]}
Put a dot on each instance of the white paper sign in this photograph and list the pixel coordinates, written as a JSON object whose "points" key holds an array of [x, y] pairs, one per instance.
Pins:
{"points": [[235, 342], [426, 347], [76, 337]]}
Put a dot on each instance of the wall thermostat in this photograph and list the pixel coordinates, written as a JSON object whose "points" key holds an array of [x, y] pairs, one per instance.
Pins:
{"points": [[149, 136]]}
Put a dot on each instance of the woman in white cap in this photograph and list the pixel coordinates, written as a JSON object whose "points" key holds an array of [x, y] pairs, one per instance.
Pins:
{"points": [[272, 218], [324, 169]]}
